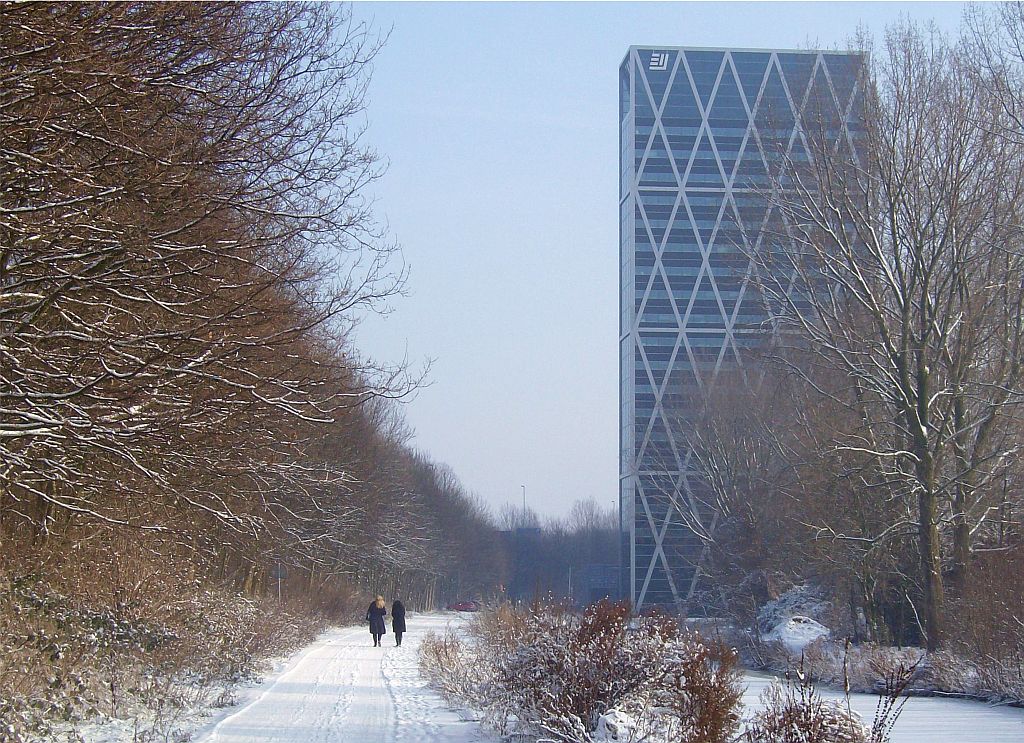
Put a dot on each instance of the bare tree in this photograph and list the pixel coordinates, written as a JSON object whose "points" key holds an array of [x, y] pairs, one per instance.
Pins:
{"points": [[793, 508], [184, 247], [184, 239], [511, 517], [897, 276]]}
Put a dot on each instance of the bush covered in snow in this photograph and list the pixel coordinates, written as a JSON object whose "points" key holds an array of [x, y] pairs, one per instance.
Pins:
{"points": [[567, 677], [794, 713], [866, 667], [448, 662], [69, 656], [797, 632]]}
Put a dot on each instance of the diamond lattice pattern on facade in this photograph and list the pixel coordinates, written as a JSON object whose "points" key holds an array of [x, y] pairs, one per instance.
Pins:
{"points": [[704, 133]]}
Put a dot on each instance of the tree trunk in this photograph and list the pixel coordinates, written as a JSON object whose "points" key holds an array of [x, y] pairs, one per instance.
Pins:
{"points": [[961, 543], [931, 568], [44, 514], [249, 586], [964, 486]]}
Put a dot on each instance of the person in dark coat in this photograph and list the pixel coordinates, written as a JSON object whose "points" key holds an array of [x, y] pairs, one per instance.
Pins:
{"points": [[375, 616], [398, 620]]}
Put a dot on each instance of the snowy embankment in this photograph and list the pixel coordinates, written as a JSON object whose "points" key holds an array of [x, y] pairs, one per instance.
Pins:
{"points": [[791, 622]]}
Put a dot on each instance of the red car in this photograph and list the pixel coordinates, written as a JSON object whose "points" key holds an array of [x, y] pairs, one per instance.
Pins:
{"points": [[464, 606]]}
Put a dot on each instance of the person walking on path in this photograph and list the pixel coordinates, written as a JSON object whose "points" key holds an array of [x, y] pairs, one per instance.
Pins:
{"points": [[398, 620], [375, 616]]}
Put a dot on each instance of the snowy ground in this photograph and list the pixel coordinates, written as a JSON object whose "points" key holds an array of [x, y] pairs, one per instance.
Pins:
{"points": [[341, 689]]}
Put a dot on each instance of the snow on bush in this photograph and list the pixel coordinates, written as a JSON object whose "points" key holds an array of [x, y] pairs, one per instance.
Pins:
{"points": [[868, 666], [795, 713], [696, 697], [989, 678], [581, 679], [615, 726], [66, 658]]}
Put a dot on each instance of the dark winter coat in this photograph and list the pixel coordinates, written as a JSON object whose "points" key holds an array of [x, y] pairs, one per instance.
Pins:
{"points": [[398, 616], [375, 616]]}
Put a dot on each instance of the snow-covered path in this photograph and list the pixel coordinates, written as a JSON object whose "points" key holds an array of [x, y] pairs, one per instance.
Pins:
{"points": [[343, 689]]}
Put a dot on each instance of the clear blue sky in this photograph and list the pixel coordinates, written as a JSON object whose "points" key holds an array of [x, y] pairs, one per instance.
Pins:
{"points": [[499, 121]]}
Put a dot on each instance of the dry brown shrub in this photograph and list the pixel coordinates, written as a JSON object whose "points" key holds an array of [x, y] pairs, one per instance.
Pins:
{"points": [[556, 673], [575, 671], [986, 628], [446, 660], [114, 629], [696, 699], [500, 629]]}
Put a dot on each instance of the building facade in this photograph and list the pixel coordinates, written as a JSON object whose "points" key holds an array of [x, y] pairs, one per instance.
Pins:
{"points": [[703, 133]]}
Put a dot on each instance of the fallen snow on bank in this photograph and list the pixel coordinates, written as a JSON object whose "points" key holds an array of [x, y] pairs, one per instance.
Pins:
{"points": [[797, 632], [793, 618]]}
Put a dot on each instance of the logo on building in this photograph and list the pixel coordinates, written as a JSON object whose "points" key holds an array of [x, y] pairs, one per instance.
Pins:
{"points": [[659, 61]]}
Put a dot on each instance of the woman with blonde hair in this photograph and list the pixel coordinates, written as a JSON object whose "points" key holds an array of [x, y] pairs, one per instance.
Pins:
{"points": [[375, 616]]}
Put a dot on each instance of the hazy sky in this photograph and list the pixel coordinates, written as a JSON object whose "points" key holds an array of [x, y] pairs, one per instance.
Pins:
{"points": [[499, 121]]}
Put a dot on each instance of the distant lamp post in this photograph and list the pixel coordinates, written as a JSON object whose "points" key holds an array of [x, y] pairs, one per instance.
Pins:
{"points": [[279, 571], [524, 504]]}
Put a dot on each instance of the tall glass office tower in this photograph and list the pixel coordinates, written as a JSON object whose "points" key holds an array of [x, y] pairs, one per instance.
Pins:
{"points": [[702, 133]]}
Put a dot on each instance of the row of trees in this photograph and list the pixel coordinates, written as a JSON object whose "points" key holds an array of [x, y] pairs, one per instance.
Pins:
{"points": [[881, 449], [184, 245], [575, 558]]}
